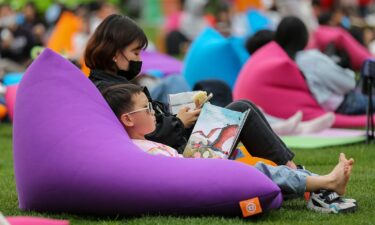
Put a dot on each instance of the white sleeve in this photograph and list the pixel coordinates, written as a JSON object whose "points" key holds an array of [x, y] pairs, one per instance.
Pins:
{"points": [[327, 73]]}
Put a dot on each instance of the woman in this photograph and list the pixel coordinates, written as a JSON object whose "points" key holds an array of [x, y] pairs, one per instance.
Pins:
{"points": [[113, 55], [333, 87]]}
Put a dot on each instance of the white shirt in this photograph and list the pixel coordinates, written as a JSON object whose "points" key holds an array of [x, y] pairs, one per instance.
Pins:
{"points": [[327, 81]]}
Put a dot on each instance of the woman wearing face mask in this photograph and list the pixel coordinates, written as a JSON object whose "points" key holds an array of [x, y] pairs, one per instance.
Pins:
{"points": [[113, 55]]}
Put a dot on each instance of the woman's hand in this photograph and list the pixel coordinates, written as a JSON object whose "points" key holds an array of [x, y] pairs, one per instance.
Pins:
{"points": [[188, 117]]}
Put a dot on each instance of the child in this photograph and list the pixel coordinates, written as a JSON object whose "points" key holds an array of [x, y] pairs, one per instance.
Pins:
{"points": [[133, 109]]}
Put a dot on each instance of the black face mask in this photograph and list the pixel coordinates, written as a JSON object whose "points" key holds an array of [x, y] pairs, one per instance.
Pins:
{"points": [[134, 69]]}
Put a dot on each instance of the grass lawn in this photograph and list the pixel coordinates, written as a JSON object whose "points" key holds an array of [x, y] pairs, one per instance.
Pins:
{"points": [[361, 187]]}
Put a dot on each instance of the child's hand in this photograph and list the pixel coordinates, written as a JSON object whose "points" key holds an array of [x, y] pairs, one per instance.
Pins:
{"points": [[291, 164], [188, 117]]}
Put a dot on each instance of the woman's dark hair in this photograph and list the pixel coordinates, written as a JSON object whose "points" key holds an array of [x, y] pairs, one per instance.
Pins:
{"points": [[119, 97], [292, 35], [259, 39], [114, 34]]}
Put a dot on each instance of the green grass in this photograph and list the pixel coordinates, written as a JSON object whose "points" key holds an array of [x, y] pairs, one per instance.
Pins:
{"points": [[361, 187]]}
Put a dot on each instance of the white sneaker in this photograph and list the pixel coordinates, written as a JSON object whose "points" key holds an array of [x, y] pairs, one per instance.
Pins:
{"points": [[330, 202]]}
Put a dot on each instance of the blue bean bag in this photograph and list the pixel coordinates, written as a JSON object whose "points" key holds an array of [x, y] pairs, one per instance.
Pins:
{"points": [[12, 78], [257, 21], [71, 154], [211, 56]]}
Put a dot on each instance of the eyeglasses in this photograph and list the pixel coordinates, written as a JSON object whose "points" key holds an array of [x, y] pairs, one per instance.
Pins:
{"points": [[148, 108]]}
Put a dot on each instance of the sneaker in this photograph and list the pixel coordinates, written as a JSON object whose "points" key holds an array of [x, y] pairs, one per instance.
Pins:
{"points": [[330, 202], [336, 197]]}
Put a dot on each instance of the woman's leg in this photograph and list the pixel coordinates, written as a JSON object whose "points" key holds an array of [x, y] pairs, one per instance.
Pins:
{"points": [[258, 136]]}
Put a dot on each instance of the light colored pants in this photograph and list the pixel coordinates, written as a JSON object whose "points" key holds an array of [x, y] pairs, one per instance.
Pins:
{"points": [[291, 182]]}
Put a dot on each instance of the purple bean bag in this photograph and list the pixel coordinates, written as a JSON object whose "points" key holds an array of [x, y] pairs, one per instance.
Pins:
{"points": [[342, 40], [156, 62], [71, 154], [272, 80]]}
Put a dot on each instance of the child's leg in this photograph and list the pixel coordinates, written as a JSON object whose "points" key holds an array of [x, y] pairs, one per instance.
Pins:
{"points": [[296, 182], [292, 182], [334, 181]]}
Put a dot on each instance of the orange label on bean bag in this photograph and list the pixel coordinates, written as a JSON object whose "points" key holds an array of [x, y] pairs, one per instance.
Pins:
{"points": [[250, 207]]}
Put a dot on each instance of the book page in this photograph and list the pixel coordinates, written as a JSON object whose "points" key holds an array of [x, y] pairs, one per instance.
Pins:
{"points": [[180, 100]]}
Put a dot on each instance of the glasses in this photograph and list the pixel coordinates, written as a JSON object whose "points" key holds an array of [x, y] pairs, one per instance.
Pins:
{"points": [[148, 108]]}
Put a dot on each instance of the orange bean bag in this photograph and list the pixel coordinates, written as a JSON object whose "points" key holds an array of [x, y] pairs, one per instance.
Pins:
{"points": [[61, 37]]}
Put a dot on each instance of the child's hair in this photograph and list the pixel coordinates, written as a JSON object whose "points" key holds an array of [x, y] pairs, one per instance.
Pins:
{"points": [[119, 97], [114, 34], [259, 39]]}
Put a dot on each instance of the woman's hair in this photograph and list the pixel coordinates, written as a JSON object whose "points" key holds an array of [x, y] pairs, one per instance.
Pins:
{"points": [[259, 39], [292, 35], [119, 97], [114, 34]]}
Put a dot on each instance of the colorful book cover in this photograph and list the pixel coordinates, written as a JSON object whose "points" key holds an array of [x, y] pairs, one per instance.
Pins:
{"points": [[215, 133]]}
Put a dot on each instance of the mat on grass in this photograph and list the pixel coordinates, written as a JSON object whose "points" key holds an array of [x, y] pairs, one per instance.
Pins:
{"points": [[326, 138]]}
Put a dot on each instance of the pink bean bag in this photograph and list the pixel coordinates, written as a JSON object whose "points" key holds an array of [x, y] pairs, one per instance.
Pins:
{"points": [[343, 41], [10, 99], [26, 220], [272, 80], [71, 154]]}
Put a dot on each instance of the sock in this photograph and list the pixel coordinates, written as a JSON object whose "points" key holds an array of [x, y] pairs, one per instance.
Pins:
{"points": [[316, 125]]}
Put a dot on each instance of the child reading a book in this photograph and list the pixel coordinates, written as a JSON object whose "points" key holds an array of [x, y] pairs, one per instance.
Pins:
{"points": [[133, 109]]}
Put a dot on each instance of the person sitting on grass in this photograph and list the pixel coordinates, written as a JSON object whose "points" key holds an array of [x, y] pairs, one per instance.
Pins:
{"points": [[132, 108]]}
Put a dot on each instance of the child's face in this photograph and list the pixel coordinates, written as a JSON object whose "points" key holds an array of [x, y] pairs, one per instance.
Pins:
{"points": [[143, 121], [130, 53]]}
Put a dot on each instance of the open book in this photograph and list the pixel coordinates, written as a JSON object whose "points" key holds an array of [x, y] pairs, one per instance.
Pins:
{"points": [[185, 99], [177, 101], [215, 133]]}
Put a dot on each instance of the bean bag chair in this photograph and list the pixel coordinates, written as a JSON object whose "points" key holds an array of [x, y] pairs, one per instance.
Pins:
{"points": [[74, 156], [238, 45], [257, 21], [242, 155], [273, 81], [342, 40], [61, 37], [10, 99], [27, 220], [244, 5], [12, 78], [155, 62], [211, 56]]}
